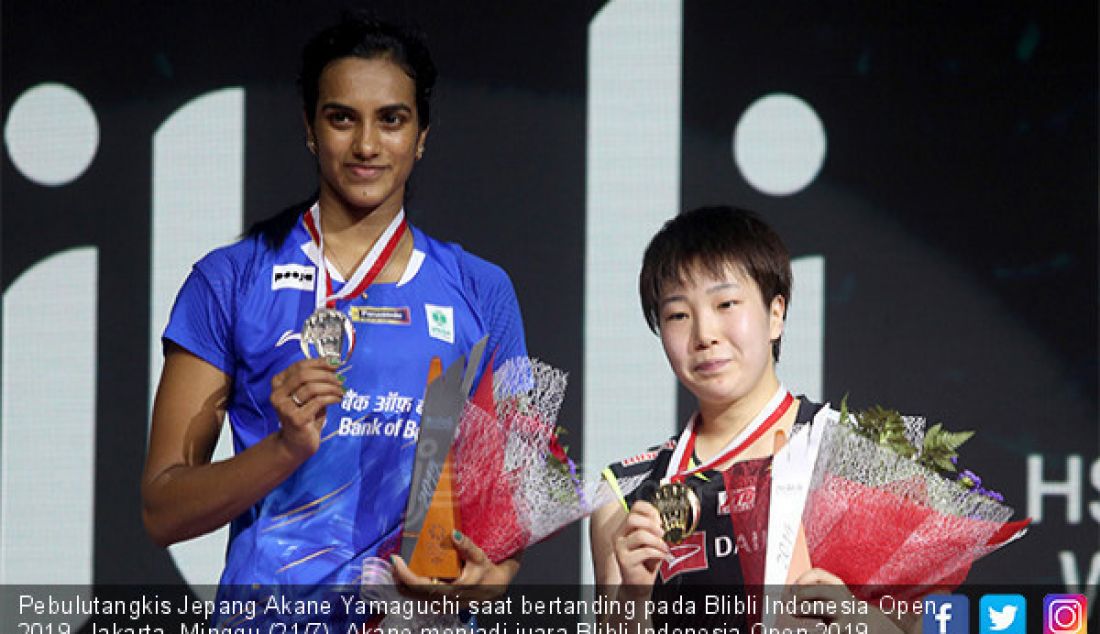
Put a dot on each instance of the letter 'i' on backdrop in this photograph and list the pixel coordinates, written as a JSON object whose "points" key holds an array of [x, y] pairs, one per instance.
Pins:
{"points": [[197, 176]]}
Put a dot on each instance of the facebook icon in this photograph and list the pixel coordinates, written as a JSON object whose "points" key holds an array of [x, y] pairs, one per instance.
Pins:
{"points": [[946, 614]]}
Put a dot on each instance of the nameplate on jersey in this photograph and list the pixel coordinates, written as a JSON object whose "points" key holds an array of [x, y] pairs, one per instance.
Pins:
{"points": [[441, 322], [293, 276], [392, 315]]}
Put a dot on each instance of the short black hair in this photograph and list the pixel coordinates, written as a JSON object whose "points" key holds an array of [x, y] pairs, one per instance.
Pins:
{"points": [[368, 38], [715, 238]]}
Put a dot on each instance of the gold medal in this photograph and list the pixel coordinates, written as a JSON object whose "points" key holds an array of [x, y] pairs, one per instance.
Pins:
{"points": [[679, 508]]}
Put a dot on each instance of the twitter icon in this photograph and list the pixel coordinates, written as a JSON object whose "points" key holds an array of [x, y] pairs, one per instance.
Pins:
{"points": [[1003, 614]]}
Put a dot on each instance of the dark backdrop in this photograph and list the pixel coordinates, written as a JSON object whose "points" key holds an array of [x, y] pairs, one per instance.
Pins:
{"points": [[956, 208]]}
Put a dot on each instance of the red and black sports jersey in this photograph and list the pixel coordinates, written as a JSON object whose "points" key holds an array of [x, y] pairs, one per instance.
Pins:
{"points": [[732, 527]]}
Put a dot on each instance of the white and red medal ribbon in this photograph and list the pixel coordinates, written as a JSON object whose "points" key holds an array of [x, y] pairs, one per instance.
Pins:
{"points": [[368, 269], [364, 275], [678, 466]]}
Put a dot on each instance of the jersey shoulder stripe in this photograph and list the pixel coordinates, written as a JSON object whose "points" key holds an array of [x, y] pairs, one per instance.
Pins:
{"points": [[643, 462]]}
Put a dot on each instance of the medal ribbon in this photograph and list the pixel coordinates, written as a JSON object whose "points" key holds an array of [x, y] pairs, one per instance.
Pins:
{"points": [[368, 269], [767, 418]]}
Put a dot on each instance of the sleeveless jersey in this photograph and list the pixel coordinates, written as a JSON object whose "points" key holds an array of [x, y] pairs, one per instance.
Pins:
{"points": [[732, 524]]}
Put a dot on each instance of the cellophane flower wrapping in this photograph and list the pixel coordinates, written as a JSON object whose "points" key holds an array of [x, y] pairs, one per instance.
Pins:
{"points": [[886, 524], [513, 483]]}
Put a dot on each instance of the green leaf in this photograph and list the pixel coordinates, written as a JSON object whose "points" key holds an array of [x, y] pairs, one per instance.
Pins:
{"points": [[887, 427], [956, 439]]}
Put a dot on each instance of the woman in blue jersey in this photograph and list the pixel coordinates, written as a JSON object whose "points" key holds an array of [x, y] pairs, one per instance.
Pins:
{"points": [[323, 455]]}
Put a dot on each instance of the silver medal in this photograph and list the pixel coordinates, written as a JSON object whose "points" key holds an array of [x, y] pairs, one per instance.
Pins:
{"points": [[328, 332]]}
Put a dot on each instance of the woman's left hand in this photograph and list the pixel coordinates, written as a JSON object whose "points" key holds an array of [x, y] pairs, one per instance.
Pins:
{"points": [[480, 579], [817, 587]]}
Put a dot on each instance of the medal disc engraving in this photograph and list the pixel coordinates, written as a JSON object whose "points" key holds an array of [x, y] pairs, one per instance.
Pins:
{"points": [[326, 331], [679, 508]]}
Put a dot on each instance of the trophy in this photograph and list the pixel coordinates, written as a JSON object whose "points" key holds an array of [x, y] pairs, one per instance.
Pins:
{"points": [[326, 330], [679, 509], [431, 514]]}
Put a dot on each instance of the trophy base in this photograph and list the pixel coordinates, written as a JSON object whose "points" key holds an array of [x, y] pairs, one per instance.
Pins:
{"points": [[435, 555]]}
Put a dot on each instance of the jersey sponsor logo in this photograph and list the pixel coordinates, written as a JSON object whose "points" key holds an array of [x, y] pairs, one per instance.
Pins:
{"points": [[392, 315], [736, 501], [441, 322], [292, 276], [642, 457], [689, 555], [366, 427], [385, 415], [724, 546]]}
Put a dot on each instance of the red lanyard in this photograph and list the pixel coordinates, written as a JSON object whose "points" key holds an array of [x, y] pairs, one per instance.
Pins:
{"points": [[369, 268], [685, 460]]}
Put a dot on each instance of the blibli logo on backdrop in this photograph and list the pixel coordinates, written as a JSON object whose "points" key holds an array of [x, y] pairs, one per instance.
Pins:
{"points": [[946, 614], [1004, 613], [441, 322]]}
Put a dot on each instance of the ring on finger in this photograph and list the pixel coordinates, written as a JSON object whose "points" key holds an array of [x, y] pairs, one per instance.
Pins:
{"points": [[294, 397]]}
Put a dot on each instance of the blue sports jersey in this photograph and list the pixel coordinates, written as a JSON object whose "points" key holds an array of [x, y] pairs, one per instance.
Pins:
{"points": [[345, 503]]}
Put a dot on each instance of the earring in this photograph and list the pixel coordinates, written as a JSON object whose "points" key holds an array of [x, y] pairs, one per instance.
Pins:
{"points": [[312, 145], [420, 152]]}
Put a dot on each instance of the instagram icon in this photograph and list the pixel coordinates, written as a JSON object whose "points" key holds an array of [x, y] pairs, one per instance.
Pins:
{"points": [[1064, 614]]}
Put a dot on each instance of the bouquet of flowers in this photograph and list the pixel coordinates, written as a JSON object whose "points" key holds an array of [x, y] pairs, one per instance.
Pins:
{"points": [[876, 499], [889, 511], [514, 481]]}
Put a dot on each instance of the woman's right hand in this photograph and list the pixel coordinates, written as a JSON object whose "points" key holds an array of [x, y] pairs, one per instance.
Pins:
{"points": [[640, 547], [184, 493], [300, 395]]}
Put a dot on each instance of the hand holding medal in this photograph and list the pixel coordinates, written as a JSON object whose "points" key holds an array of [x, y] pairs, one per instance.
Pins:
{"points": [[676, 502], [640, 549], [313, 384], [301, 393]]}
